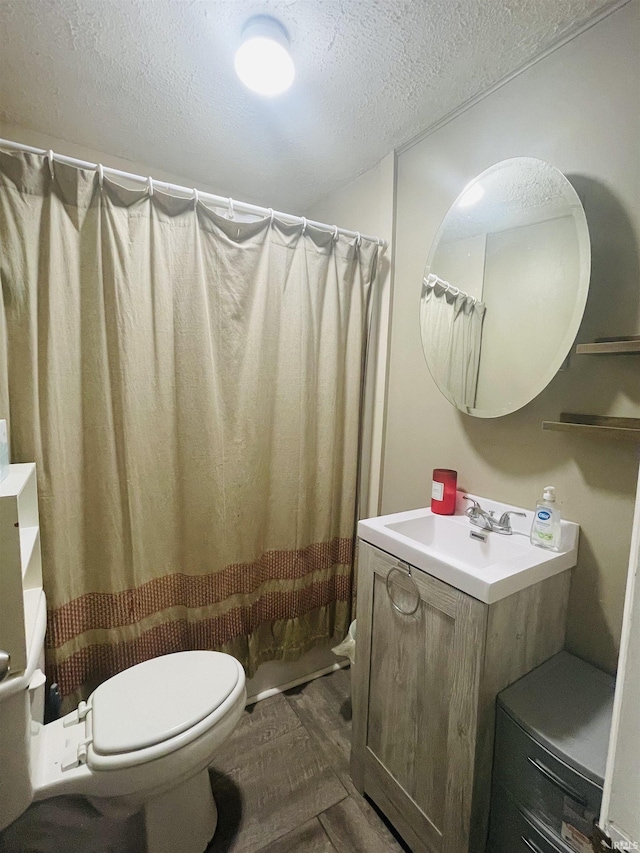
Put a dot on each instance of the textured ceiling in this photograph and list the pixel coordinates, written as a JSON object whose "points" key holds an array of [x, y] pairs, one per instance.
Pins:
{"points": [[152, 81]]}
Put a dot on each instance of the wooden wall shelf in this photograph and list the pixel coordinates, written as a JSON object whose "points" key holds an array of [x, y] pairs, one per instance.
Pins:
{"points": [[611, 346], [597, 426]]}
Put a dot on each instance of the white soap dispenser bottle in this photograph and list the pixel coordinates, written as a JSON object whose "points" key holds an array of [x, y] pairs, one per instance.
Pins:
{"points": [[545, 530]]}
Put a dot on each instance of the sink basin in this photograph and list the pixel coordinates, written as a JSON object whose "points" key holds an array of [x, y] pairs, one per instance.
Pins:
{"points": [[442, 546]]}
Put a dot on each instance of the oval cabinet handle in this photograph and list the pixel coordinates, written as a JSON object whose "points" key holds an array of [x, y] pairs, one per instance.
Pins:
{"points": [[407, 569], [5, 664]]}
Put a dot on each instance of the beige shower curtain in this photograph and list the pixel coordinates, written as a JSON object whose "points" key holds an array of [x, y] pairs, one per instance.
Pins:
{"points": [[451, 327], [189, 387]]}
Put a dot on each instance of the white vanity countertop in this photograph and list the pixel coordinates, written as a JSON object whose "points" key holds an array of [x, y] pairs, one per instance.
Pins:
{"points": [[441, 545]]}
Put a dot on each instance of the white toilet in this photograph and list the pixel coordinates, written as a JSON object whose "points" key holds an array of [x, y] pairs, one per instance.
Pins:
{"points": [[143, 741]]}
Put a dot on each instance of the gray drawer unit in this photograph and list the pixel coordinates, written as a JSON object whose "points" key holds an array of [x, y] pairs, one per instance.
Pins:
{"points": [[552, 732], [514, 832], [543, 785]]}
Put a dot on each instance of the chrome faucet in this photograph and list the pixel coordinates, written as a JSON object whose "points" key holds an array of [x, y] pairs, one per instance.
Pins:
{"points": [[503, 525], [486, 520], [478, 516], [5, 665]]}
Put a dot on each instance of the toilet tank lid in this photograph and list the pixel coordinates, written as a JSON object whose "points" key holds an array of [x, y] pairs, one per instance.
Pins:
{"points": [[153, 701]]}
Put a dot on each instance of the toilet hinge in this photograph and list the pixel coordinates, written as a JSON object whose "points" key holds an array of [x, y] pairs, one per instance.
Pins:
{"points": [[77, 716], [83, 749], [76, 758]]}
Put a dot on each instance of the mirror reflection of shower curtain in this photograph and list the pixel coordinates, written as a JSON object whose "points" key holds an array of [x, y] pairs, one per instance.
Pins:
{"points": [[452, 330]]}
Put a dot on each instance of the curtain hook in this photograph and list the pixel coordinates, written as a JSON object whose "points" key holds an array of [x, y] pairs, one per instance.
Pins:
{"points": [[150, 183], [100, 171], [50, 163], [358, 239], [335, 233], [271, 215], [378, 242], [304, 225], [230, 213], [196, 196]]}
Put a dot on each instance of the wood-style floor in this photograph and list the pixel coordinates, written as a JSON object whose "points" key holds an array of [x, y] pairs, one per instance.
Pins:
{"points": [[282, 781]]}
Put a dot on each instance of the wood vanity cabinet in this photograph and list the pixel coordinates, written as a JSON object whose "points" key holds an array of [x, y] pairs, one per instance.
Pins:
{"points": [[424, 690]]}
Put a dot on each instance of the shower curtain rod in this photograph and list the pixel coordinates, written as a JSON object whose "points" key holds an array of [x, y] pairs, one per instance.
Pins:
{"points": [[219, 201], [433, 279]]}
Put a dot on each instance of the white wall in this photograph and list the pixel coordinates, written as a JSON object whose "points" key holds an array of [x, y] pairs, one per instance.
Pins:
{"points": [[579, 109], [70, 149], [461, 263], [525, 269]]}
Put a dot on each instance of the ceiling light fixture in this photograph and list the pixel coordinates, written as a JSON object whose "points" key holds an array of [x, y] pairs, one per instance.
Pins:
{"points": [[263, 61]]}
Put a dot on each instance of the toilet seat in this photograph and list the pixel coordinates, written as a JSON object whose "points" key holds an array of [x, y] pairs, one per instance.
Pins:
{"points": [[154, 701], [141, 714]]}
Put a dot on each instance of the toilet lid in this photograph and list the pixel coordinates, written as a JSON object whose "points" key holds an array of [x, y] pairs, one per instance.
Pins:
{"points": [[158, 699]]}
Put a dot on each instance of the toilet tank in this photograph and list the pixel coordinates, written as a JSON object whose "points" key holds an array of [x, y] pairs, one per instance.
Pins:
{"points": [[20, 693], [16, 790]]}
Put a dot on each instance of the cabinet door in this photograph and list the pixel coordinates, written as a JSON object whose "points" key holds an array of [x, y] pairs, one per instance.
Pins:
{"points": [[415, 700], [620, 816]]}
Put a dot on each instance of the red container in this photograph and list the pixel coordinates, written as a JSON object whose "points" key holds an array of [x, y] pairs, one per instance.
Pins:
{"points": [[443, 491]]}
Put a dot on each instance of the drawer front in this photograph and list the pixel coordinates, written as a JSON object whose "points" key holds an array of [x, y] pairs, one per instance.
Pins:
{"points": [[563, 800], [511, 832]]}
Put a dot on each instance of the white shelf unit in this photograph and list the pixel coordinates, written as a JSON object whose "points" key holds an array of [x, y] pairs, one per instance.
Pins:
{"points": [[20, 560]]}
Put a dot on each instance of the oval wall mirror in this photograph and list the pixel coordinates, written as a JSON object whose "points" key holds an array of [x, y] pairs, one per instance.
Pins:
{"points": [[505, 286]]}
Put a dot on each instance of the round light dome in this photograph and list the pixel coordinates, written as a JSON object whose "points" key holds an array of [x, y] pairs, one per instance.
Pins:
{"points": [[472, 195], [263, 61]]}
